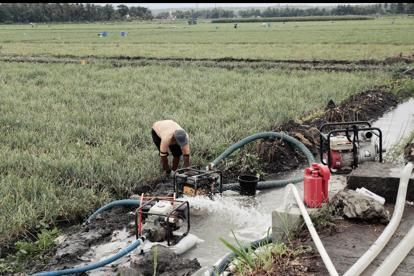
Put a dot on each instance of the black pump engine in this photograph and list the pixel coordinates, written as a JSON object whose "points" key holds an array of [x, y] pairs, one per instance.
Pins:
{"points": [[192, 182]]}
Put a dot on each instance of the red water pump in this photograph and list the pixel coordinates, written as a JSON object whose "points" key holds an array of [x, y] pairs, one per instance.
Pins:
{"points": [[316, 185], [343, 146]]}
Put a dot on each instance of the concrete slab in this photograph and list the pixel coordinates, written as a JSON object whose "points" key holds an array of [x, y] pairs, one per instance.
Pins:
{"points": [[286, 218], [283, 222], [380, 178], [336, 184]]}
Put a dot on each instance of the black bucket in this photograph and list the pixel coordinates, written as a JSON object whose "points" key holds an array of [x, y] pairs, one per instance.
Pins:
{"points": [[248, 184]]}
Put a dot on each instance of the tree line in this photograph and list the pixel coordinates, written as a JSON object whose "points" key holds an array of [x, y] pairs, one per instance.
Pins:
{"points": [[381, 9], [65, 12], [376, 9], [205, 13]]}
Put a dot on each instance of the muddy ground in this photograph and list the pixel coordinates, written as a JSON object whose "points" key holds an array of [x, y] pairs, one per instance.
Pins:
{"points": [[78, 239], [398, 63], [351, 239]]}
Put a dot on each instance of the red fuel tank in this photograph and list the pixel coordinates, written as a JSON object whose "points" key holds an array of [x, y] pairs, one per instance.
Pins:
{"points": [[316, 182]]}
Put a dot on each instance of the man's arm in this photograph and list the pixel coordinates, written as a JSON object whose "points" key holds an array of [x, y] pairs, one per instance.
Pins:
{"points": [[186, 161], [186, 155], [164, 156], [164, 163]]}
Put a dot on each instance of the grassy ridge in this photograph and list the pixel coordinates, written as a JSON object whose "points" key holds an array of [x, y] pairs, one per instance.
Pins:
{"points": [[291, 19], [73, 136]]}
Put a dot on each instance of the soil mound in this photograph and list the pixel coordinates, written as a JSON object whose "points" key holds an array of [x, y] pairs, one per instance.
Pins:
{"points": [[366, 106]]}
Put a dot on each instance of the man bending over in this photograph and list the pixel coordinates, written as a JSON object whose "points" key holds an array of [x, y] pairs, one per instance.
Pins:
{"points": [[167, 134]]}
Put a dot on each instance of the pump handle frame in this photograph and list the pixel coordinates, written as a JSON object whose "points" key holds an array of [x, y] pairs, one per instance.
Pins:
{"points": [[139, 212], [181, 174]]}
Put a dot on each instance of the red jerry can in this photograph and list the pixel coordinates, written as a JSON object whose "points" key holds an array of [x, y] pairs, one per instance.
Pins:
{"points": [[316, 185]]}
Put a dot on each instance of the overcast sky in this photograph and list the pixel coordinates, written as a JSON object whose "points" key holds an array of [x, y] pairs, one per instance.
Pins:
{"points": [[155, 6]]}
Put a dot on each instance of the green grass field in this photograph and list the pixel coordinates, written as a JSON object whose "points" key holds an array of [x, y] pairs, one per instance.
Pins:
{"points": [[343, 40], [82, 132], [75, 136]]}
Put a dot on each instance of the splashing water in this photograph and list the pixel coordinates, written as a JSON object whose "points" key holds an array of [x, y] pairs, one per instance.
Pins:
{"points": [[241, 212], [248, 217], [215, 219]]}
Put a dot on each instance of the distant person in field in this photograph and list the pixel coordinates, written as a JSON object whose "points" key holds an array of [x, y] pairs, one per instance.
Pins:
{"points": [[167, 134]]}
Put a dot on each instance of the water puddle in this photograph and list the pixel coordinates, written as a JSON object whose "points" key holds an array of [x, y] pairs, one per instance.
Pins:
{"points": [[119, 240], [396, 124]]}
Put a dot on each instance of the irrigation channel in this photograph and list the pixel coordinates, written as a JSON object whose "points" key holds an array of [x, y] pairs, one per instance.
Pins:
{"points": [[249, 217]]}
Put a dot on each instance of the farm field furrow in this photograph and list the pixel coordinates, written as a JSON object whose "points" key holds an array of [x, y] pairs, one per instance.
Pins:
{"points": [[284, 51]]}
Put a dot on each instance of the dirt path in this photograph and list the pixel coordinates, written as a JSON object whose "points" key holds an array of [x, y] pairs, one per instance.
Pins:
{"points": [[353, 239], [229, 63]]}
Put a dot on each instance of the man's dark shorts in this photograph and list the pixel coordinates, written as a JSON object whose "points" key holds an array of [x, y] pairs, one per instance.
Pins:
{"points": [[175, 149]]}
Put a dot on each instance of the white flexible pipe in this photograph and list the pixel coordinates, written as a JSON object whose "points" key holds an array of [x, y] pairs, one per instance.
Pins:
{"points": [[364, 261], [325, 257], [399, 253]]}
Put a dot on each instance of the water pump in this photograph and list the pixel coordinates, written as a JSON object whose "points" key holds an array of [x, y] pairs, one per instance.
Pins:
{"points": [[161, 219], [345, 145], [192, 182]]}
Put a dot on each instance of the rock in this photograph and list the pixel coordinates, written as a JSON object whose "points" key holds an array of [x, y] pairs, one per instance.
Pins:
{"points": [[409, 152], [331, 104], [135, 197], [164, 189], [380, 178], [353, 205], [167, 263], [182, 267], [286, 220], [302, 139], [144, 264]]}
